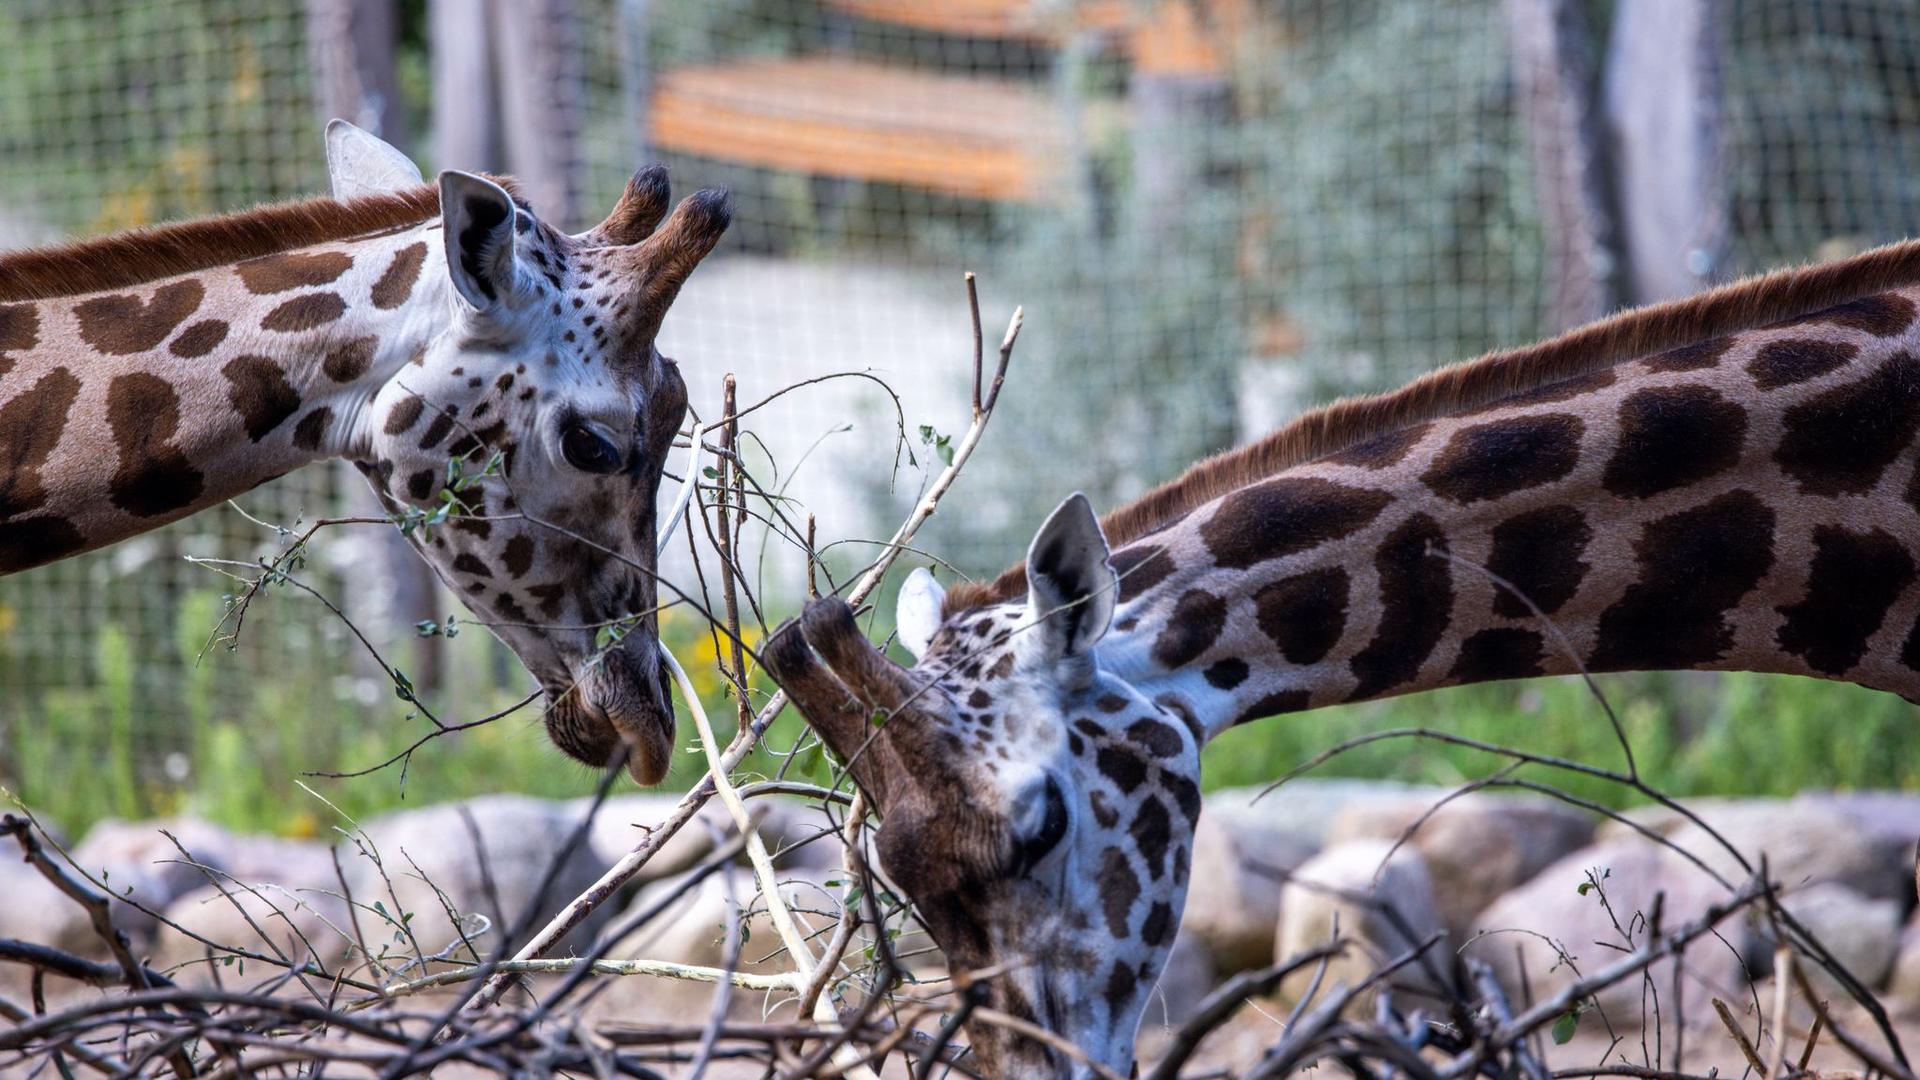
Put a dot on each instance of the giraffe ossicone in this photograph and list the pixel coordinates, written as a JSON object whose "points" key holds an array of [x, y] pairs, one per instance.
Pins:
{"points": [[458, 350], [1729, 482]]}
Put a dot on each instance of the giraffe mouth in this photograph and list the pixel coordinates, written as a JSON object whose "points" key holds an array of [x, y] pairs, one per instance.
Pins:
{"points": [[637, 709]]}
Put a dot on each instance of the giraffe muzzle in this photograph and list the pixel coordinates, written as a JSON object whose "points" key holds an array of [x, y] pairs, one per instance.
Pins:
{"points": [[634, 702]]}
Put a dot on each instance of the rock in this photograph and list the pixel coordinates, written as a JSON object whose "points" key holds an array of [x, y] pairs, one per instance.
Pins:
{"points": [[299, 924], [1307, 807], [137, 862], [1892, 816], [1187, 979], [1311, 904], [1903, 983], [1548, 921], [1862, 934], [1805, 844], [520, 837], [291, 864], [625, 819], [1475, 847], [34, 911], [1233, 904], [692, 930]]}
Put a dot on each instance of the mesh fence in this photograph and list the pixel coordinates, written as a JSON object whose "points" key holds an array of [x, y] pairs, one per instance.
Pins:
{"points": [[1214, 211]]}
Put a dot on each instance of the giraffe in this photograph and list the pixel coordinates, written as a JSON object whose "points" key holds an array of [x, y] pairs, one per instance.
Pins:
{"points": [[1727, 482], [419, 331]]}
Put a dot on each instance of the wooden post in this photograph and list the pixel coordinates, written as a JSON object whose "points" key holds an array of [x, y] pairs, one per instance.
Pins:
{"points": [[1177, 94], [536, 61], [464, 129], [1553, 75], [1662, 90]]}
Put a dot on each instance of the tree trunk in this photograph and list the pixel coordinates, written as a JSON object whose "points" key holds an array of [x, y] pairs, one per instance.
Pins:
{"points": [[1554, 82], [536, 59], [464, 128], [1663, 114], [351, 46]]}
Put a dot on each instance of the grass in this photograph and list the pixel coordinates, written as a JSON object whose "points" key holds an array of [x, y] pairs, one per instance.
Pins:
{"points": [[1692, 734], [238, 746]]}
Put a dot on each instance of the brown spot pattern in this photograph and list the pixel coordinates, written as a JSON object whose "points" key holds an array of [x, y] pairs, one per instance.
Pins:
{"points": [[1538, 553], [1694, 566], [1795, 360], [404, 414], [153, 476], [1882, 316], [31, 424], [1839, 442], [1280, 701], [518, 556], [1703, 354], [1119, 888], [1305, 614], [1192, 627], [349, 360], [35, 541], [19, 327], [1672, 436], [396, 281], [1856, 577], [199, 339], [1416, 601], [305, 313], [1157, 738], [1381, 452], [123, 325], [312, 428], [1501, 652], [260, 391], [1285, 515], [292, 270], [1498, 458], [1152, 831], [1140, 568]]}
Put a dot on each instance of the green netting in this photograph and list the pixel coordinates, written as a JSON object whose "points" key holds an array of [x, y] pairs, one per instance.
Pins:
{"points": [[1345, 198]]}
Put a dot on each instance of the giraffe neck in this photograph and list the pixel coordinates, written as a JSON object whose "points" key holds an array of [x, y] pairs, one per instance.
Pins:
{"points": [[1744, 503], [123, 411]]}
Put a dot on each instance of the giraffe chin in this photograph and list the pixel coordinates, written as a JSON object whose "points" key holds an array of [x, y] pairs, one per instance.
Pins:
{"points": [[618, 695], [609, 709]]}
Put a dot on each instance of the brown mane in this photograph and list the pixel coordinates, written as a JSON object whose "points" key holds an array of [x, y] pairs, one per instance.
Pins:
{"points": [[1741, 305], [162, 251]]}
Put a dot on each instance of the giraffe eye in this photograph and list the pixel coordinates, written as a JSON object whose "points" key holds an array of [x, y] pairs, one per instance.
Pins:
{"points": [[587, 451], [1042, 836]]}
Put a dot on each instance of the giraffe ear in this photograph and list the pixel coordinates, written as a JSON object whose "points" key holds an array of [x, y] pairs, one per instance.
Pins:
{"points": [[361, 163], [477, 217], [1070, 586], [916, 614]]}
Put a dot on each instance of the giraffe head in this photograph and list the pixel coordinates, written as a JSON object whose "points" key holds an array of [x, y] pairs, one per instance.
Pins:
{"points": [[1039, 811], [540, 412]]}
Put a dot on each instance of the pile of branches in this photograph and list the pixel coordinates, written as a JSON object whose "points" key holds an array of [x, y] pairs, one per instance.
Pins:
{"points": [[497, 998]]}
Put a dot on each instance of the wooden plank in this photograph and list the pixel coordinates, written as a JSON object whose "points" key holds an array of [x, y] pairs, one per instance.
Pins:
{"points": [[1662, 90], [1021, 20], [1553, 68], [974, 137]]}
